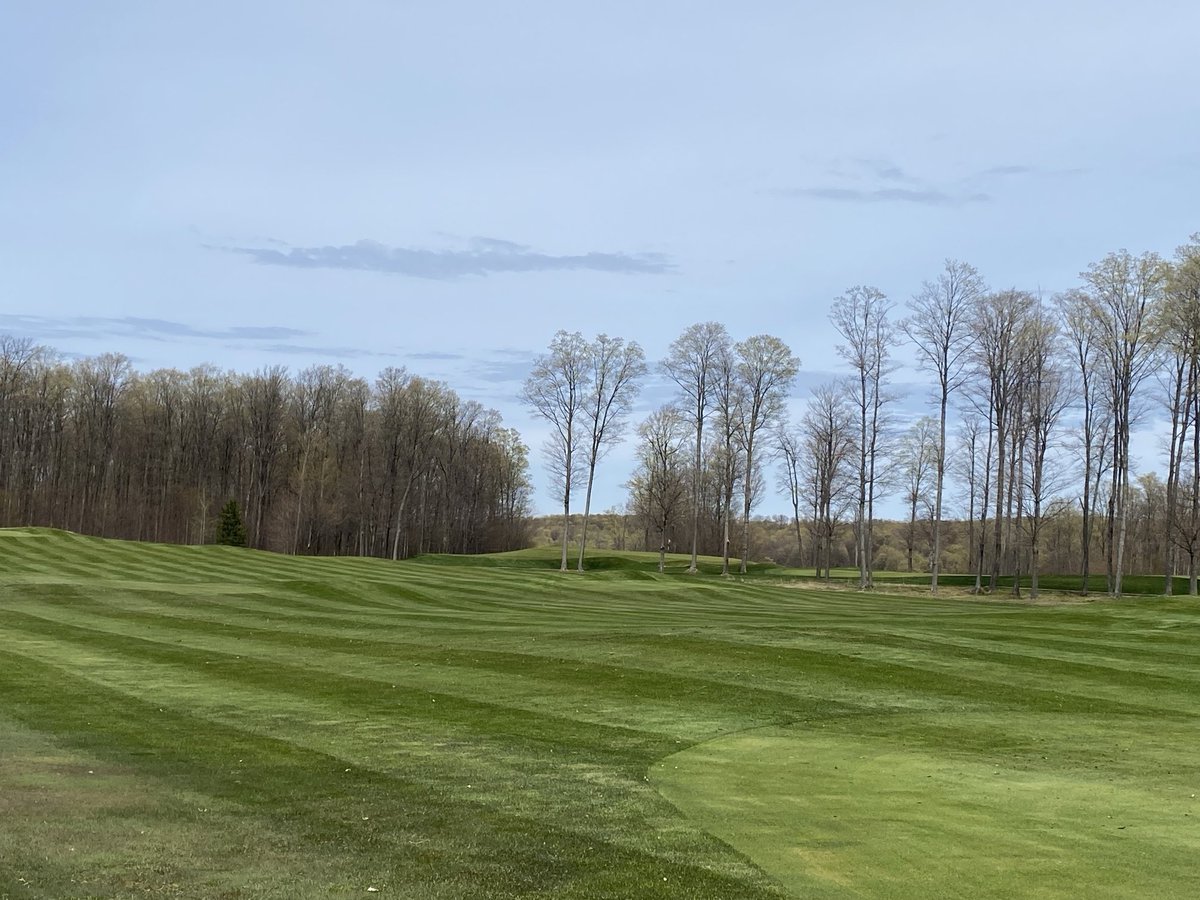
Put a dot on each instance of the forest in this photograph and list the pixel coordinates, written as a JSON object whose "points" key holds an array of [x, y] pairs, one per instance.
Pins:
{"points": [[319, 462]]}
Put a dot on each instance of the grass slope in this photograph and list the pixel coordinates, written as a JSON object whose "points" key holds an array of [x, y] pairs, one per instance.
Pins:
{"points": [[210, 722]]}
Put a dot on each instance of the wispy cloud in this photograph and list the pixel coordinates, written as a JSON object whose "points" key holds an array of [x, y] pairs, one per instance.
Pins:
{"points": [[46, 327], [328, 352], [1000, 171], [923, 196], [435, 355], [501, 370], [482, 256], [866, 180], [884, 170]]}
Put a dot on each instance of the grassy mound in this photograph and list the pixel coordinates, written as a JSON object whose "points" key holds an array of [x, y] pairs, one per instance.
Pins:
{"points": [[215, 722]]}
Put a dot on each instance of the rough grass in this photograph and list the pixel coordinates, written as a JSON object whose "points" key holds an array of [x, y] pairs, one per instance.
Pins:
{"points": [[212, 722]]}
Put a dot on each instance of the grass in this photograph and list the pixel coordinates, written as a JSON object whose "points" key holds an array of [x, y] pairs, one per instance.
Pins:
{"points": [[209, 722]]}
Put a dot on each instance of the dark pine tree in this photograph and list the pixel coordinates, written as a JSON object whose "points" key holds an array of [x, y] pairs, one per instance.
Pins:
{"points": [[230, 528]]}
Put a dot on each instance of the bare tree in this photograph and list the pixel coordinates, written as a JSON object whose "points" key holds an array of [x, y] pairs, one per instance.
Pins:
{"points": [[1124, 290], [917, 459], [659, 485], [690, 362], [972, 463], [766, 369], [1046, 397], [556, 391], [861, 318], [1084, 341], [1178, 331], [999, 320], [616, 369], [790, 445], [939, 327], [315, 394], [829, 447], [729, 393]]}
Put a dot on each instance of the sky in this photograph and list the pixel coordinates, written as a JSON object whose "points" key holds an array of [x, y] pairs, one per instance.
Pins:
{"points": [[443, 186]]}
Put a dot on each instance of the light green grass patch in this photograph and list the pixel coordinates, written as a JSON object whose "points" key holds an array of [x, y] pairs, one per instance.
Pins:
{"points": [[835, 814]]}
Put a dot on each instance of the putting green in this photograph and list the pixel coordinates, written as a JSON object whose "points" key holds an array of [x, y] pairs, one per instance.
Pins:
{"points": [[836, 814]]}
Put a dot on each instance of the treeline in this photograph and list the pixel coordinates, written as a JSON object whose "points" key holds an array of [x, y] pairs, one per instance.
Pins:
{"points": [[321, 462], [899, 546], [1034, 404]]}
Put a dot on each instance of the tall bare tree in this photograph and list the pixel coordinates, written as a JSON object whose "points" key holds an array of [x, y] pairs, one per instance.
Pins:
{"points": [[999, 321], [616, 369], [861, 317], [659, 485], [938, 325], [766, 369], [829, 446], [729, 404], [1124, 291], [1084, 342], [1046, 397], [690, 363], [789, 442], [917, 455], [1177, 326], [556, 390]]}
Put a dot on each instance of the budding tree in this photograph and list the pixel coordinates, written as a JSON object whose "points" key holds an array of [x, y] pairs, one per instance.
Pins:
{"points": [[861, 318], [766, 368], [615, 370], [555, 390], [1124, 290], [939, 327], [690, 363]]}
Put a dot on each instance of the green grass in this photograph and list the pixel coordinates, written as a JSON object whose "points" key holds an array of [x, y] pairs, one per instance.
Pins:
{"points": [[212, 722]]}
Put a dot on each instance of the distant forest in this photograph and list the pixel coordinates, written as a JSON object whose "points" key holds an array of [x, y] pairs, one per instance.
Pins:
{"points": [[320, 462]]}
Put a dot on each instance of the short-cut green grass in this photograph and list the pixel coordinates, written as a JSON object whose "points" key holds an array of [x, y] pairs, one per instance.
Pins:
{"points": [[216, 722]]}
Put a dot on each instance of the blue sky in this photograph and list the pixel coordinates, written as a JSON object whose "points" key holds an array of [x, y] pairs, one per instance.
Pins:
{"points": [[443, 186]]}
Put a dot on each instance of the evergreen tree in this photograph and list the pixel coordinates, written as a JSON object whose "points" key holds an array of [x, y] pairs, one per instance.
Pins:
{"points": [[230, 528]]}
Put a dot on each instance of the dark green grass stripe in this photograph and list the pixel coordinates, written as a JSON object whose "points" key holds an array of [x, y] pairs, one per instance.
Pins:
{"points": [[311, 795], [863, 673], [948, 653], [597, 682], [952, 652], [1097, 645], [906, 677], [377, 697]]}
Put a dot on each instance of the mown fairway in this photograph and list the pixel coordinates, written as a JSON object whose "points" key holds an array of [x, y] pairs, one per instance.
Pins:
{"points": [[209, 722]]}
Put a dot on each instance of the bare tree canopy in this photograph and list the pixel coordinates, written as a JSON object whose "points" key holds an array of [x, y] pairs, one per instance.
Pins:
{"points": [[938, 325], [615, 371], [861, 317], [690, 363], [556, 391], [766, 369]]}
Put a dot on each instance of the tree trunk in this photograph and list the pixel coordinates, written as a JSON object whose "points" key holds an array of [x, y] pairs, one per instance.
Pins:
{"points": [[747, 493], [935, 565], [587, 508]]}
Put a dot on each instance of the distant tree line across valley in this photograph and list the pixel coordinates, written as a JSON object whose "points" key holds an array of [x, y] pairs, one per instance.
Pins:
{"points": [[1034, 400]]}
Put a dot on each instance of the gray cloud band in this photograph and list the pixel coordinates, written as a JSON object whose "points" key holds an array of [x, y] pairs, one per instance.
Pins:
{"points": [[483, 257]]}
